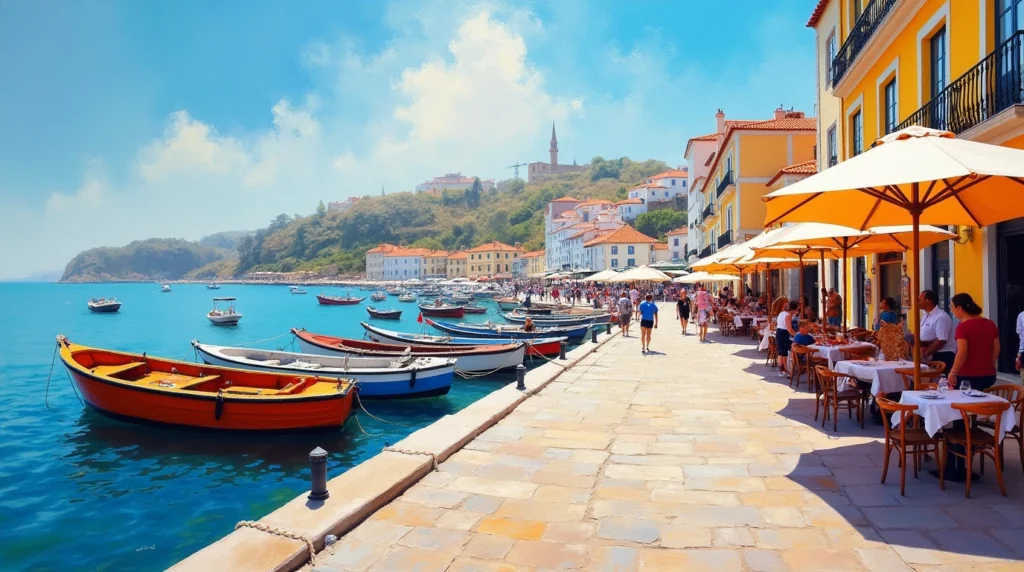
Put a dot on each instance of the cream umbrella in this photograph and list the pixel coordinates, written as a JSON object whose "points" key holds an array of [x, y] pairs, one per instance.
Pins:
{"points": [[697, 277], [602, 276], [914, 176], [641, 274]]}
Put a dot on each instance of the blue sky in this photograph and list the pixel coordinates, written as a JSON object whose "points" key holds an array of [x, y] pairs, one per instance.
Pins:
{"points": [[126, 120]]}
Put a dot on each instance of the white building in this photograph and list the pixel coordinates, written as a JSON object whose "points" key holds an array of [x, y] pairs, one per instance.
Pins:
{"points": [[631, 208], [677, 243], [572, 227], [405, 263], [341, 206], [452, 181], [625, 247], [699, 154], [375, 260]]}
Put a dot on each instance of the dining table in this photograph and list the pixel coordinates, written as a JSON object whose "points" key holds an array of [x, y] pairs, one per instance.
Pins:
{"points": [[936, 408], [755, 320], [881, 374], [834, 352]]}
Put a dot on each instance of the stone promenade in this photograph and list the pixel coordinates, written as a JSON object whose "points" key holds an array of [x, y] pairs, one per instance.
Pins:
{"points": [[696, 457]]}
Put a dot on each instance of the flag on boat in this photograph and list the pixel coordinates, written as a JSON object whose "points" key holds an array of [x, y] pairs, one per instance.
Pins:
{"points": [[419, 319]]}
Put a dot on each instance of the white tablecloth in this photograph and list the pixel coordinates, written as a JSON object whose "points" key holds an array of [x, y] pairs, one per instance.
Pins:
{"points": [[755, 320], [767, 333], [881, 374], [939, 412], [835, 353]]}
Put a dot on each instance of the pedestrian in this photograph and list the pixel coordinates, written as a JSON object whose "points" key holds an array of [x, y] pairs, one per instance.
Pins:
{"points": [[634, 297], [648, 321], [683, 310], [703, 299], [555, 294], [625, 313], [784, 333], [937, 337], [834, 307], [977, 346]]}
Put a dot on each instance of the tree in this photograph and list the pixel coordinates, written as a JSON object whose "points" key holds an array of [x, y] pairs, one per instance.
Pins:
{"points": [[656, 223], [321, 210], [604, 170], [516, 186], [473, 194]]}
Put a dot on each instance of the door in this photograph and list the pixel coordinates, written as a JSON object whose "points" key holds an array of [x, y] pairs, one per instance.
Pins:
{"points": [[1010, 241], [812, 275], [890, 283]]}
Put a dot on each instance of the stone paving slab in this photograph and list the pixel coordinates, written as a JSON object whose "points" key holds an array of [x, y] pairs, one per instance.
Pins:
{"points": [[695, 457]]}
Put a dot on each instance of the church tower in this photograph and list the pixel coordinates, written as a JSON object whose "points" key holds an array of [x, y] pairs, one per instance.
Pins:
{"points": [[554, 146]]}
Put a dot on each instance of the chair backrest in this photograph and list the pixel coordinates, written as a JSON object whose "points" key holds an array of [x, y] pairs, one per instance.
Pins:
{"points": [[858, 353], [1008, 391], [859, 336], [929, 377], [939, 366], [828, 379], [891, 341], [889, 408], [994, 409]]}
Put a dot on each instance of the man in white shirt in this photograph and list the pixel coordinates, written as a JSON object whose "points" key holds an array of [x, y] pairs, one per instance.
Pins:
{"points": [[937, 341], [1020, 348]]}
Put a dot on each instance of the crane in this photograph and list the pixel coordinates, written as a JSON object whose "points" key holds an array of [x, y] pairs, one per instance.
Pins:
{"points": [[516, 167]]}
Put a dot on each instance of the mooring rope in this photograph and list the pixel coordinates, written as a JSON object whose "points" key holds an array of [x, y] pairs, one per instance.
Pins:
{"points": [[359, 402], [433, 456], [281, 532], [46, 396], [244, 344]]}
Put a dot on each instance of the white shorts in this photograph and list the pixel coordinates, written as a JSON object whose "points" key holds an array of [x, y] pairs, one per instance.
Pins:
{"points": [[702, 317]]}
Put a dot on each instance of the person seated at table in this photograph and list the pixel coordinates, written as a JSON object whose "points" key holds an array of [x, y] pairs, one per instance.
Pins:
{"points": [[803, 336], [977, 341], [886, 312]]}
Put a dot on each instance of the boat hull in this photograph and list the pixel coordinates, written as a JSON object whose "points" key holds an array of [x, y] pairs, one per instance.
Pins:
{"points": [[393, 315], [104, 308], [574, 333], [545, 347], [446, 312], [557, 321], [231, 320], [332, 301]]}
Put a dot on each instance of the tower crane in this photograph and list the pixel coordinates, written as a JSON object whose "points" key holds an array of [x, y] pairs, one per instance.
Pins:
{"points": [[516, 167]]}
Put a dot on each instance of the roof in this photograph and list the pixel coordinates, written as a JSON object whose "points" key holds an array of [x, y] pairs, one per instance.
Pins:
{"points": [[566, 199], [400, 251], [493, 246], [681, 230], [436, 253], [708, 137], [568, 214], [382, 247], [460, 255], [630, 202], [784, 124], [819, 9], [624, 235], [594, 202], [805, 168], [672, 173], [649, 186], [533, 254], [660, 246]]}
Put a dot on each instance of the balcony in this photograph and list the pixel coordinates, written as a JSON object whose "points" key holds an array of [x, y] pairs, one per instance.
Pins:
{"points": [[833, 161], [726, 182], [725, 239], [865, 27], [706, 252], [709, 211], [995, 84]]}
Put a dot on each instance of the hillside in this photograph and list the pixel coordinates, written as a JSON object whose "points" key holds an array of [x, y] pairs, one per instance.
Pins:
{"points": [[334, 243], [153, 259]]}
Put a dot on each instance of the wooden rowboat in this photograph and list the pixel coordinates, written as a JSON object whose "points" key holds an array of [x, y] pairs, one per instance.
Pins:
{"points": [[442, 311], [384, 313], [141, 388], [534, 347], [326, 300]]}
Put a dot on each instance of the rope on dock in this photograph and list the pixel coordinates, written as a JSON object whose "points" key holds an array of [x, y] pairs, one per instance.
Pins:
{"points": [[433, 456], [280, 532], [359, 402]]}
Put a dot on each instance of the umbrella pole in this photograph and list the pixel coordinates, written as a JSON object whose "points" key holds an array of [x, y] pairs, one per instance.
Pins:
{"points": [[821, 289], [914, 303], [801, 280], [846, 278]]}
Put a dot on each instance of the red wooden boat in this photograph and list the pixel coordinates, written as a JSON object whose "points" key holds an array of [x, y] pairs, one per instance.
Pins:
{"points": [[444, 311], [156, 390], [326, 300]]}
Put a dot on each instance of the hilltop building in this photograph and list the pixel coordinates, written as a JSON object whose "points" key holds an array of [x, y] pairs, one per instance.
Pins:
{"points": [[452, 181], [341, 206], [677, 242], [570, 223], [540, 170]]}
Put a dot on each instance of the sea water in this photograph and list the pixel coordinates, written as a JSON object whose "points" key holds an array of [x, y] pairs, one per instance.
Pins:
{"points": [[81, 491]]}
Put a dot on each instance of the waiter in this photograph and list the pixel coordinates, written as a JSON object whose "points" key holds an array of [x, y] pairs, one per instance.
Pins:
{"points": [[937, 342]]}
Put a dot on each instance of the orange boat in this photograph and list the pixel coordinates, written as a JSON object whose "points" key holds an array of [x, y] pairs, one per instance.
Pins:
{"points": [[147, 389]]}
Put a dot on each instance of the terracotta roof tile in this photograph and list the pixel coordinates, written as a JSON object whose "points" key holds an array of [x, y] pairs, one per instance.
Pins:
{"points": [[708, 137], [593, 202], [438, 253], [382, 248], [460, 255], [630, 202], [624, 235], [819, 9], [805, 168], [681, 230], [674, 173], [533, 254], [401, 251], [495, 246], [660, 246], [566, 199]]}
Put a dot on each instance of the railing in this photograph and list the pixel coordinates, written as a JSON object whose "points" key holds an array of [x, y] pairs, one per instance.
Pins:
{"points": [[709, 211], [865, 26], [994, 84], [706, 252], [833, 161], [722, 186], [725, 239]]}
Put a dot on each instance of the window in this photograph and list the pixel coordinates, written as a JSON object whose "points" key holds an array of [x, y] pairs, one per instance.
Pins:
{"points": [[858, 9], [675, 242], [833, 156], [488, 256], [937, 65], [857, 133], [631, 262], [615, 249], [728, 164], [630, 250], [890, 106], [830, 54], [728, 218], [615, 262], [1009, 19], [673, 182]]}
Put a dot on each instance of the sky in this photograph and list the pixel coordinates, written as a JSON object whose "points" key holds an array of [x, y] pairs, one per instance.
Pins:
{"points": [[126, 120]]}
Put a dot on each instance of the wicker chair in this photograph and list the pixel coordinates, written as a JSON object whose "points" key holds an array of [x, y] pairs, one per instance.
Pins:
{"points": [[862, 352], [726, 326], [773, 353]]}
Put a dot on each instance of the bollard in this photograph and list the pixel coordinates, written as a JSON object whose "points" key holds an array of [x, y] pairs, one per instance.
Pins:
{"points": [[318, 463], [593, 336], [561, 350], [521, 377], [608, 328]]}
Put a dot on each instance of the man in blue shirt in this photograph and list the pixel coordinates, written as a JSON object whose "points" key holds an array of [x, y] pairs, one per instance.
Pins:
{"points": [[648, 319]]}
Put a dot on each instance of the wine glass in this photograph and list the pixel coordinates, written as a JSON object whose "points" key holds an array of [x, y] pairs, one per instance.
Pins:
{"points": [[965, 386]]}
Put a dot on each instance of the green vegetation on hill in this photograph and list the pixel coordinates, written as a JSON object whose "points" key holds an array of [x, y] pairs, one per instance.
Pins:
{"points": [[153, 259], [335, 243]]}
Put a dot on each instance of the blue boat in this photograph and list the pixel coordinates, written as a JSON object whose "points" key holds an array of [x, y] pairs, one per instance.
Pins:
{"points": [[559, 320], [575, 334]]}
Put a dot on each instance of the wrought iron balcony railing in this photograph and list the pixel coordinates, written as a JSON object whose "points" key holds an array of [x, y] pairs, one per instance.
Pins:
{"points": [[833, 161], [724, 184], [725, 239], [709, 211], [865, 26], [996, 83], [706, 252]]}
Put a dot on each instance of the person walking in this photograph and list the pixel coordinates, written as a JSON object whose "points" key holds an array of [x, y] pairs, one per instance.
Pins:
{"points": [[625, 313], [648, 321], [937, 336], [703, 299], [634, 297], [683, 310], [977, 345], [784, 334]]}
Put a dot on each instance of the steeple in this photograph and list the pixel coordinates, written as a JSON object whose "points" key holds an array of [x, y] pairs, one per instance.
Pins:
{"points": [[554, 146]]}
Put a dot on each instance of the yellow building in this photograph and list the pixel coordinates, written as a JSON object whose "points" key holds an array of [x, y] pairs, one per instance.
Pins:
{"points": [[493, 259], [534, 262], [456, 266], [748, 155], [435, 264], [946, 64]]}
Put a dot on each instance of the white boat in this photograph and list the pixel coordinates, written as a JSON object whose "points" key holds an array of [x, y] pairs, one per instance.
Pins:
{"points": [[297, 289], [407, 297], [379, 296], [224, 316], [213, 286], [104, 305], [165, 288]]}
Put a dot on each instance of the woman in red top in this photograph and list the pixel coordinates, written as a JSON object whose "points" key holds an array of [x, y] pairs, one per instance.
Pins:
{"points": [[977, 345]]}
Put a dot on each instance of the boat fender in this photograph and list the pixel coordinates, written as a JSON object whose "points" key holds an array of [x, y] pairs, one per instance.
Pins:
{"points": [[218, 409], [412, 379]]}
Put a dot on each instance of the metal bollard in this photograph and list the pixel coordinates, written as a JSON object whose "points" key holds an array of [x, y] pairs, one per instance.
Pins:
{"points": [[608, 328], [561, 350], [318, 463], [593, 336], [521, 377]]}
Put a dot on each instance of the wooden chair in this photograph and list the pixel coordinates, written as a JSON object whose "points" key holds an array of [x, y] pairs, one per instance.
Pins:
{"points": [[819, 392], [908, 440], [1015, 395], [860, 336], [744, 329], [863, 352], [800, 364], [939, 366], [977, 441], [773, 353], [929, 379], [834, 399], [726, 326]]}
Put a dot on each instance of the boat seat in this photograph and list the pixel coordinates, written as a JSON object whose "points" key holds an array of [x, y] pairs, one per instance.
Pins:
{"points": [[113, 370], [198, 381], [243, 390]]}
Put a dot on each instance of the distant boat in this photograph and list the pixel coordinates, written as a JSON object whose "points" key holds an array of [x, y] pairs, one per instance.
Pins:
{"points": [[474, 309], [224, 317], [213, 286], [395, 291], [407, 297], [346, 300], [165, 288], [507, 304], [104, 305], [379, 296], [384, 313], [297, 289], [442, 311]]}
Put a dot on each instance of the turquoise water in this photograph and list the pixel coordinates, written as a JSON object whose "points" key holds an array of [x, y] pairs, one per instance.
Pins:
{"points": [[81, 491]]}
